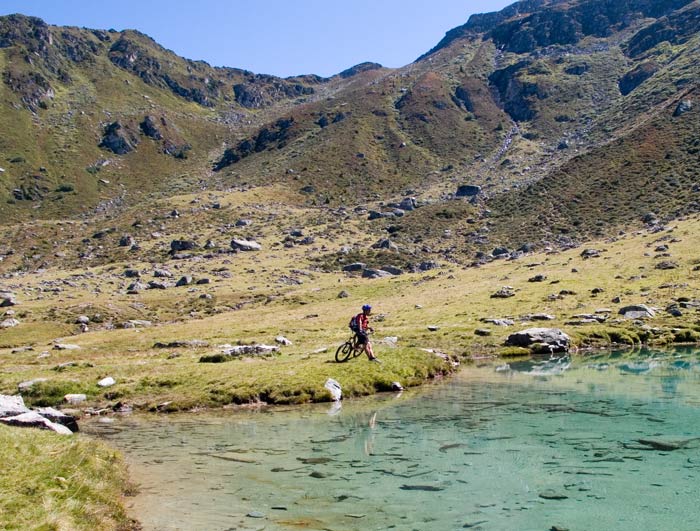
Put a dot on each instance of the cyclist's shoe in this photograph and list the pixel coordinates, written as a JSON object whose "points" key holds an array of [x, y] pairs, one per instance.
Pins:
{"points": [[376, 360]]}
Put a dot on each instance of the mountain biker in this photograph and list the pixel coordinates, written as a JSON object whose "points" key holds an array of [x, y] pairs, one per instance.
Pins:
{"points": [[360, 325]]}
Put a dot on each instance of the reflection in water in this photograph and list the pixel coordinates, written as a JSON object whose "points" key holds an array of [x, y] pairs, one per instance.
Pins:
{"points": [[579, 444]]}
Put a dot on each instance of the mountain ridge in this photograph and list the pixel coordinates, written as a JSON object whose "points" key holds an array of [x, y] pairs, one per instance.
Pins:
{"points": [[502, 102]]}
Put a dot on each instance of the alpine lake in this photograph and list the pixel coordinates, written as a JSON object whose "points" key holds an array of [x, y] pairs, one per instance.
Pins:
{"points": [[607, 441]]}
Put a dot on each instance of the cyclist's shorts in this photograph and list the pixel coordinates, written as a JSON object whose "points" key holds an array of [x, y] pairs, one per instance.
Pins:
{"points": [[361, 338]]}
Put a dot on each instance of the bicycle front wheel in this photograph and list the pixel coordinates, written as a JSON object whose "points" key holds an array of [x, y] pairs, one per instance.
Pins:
{"points": [[343, 352]]}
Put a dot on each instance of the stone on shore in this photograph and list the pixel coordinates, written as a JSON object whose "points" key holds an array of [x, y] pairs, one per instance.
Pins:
{"points": [[540, 340]]}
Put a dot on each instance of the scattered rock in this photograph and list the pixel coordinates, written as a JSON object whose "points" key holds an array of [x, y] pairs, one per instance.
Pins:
{"points": [[468, 190], [638, 311], [155, 284], [283, 341], [9, 323], [537, 278], [433, 328], [245, 245], [356, 267], [162, 273], [229, 352], [483, 332], [24, 386], [184, 281], [107, 382], [682, 108], [193, 343], [75, 398], [177, 246], [539, 317], [590, 253], [498, 322], [127, 241], [375, 273], [65, 346], [396, 386], [343, 295], [666, 264], [504, 293]]}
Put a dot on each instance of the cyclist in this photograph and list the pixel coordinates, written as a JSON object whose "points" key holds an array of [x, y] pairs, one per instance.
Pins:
{"points": [[360, 325]]}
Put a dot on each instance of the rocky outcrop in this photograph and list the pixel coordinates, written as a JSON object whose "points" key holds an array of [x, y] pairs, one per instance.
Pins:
{"points": [[118, 139], [635, 77], [149, 128], [517, 92], [274, 135], [264, 91]]}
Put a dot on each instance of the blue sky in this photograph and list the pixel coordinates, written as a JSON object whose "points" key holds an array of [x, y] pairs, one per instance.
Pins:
{"points": [[280, 37]]}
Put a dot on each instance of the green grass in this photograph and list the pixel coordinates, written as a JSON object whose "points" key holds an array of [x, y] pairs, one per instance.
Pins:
{"points": [[53, 482]]}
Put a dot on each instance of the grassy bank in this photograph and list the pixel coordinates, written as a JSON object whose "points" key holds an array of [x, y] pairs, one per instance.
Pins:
{"points": [[52, 482]]}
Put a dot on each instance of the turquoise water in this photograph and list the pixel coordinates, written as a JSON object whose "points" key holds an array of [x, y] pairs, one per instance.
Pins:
{"points": [[524, 446]]}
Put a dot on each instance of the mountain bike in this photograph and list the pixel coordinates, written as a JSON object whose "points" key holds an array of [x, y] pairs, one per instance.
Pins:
{"points": [[349, 350]]}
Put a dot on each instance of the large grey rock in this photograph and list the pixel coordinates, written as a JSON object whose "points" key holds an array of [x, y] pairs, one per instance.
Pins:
{"points": [[245, 245], [59, 417], [32, 419], [155, 284], [162, 273], [11, 406], [552, 338], [9, 323], [637, 311]]}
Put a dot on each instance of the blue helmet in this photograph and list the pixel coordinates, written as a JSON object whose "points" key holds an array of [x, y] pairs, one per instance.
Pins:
{"points": [[366, 308]]}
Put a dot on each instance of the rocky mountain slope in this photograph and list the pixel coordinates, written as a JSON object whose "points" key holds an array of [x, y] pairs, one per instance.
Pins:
{"points": [[568, 119]]}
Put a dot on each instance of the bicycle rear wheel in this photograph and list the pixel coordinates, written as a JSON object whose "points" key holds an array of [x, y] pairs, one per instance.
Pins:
{"points": [[343, 352]]}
